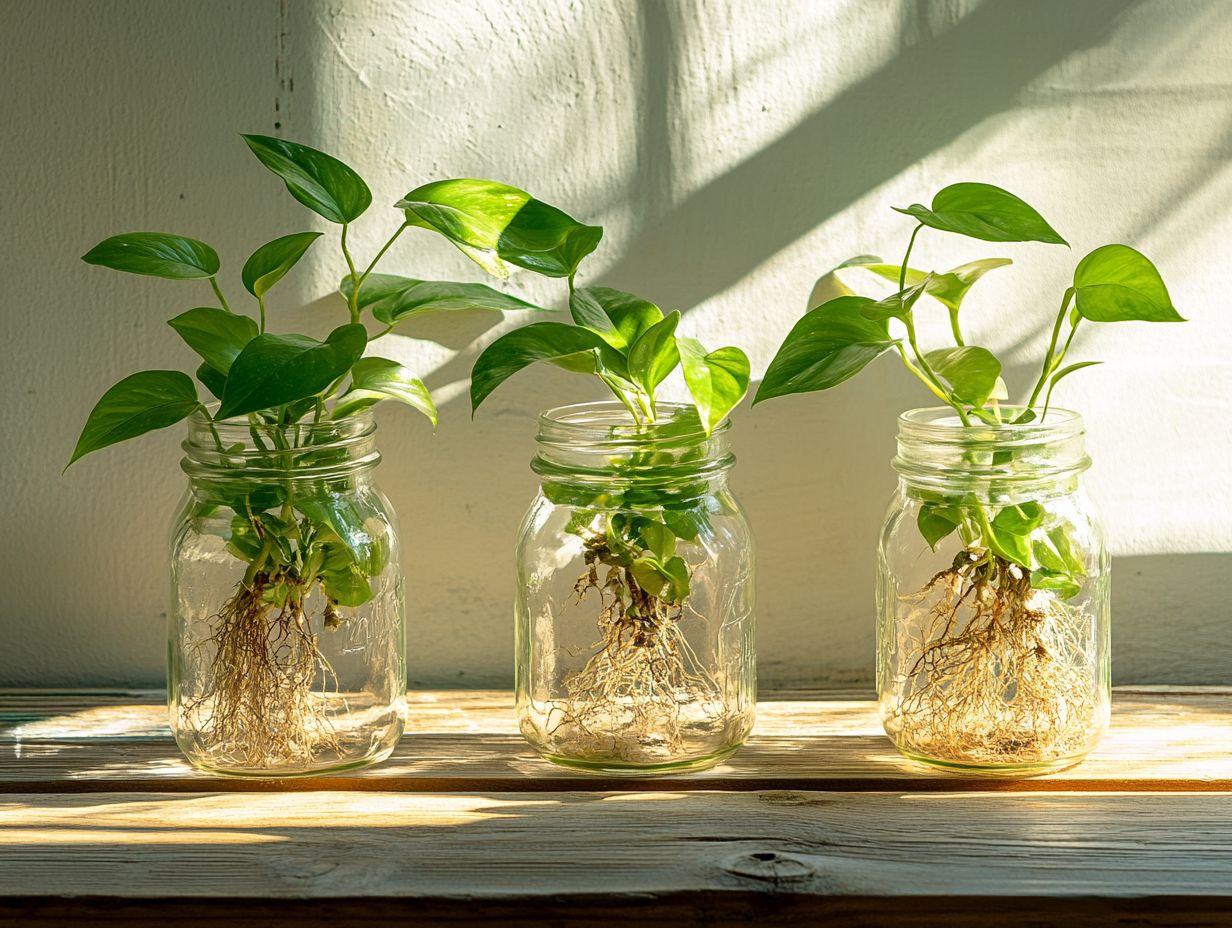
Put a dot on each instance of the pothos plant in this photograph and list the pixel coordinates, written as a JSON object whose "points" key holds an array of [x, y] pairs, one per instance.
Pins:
{"points": [[1017, 563], [291, 538], [630, 345], [634, 527], [838, 339]]}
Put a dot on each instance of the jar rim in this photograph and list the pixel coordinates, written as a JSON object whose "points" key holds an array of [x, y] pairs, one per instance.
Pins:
{"points": [[609, 421], [237, 448], [942, 421]]}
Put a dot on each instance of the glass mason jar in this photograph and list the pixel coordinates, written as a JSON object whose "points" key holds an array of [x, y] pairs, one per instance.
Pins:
{"points": [[634, 610], [992, 596], [286, 648]]}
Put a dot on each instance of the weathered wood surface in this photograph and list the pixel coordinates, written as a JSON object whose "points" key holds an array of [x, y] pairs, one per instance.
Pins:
{"points": [[1161, 739], [816, 821], [862, 856]]}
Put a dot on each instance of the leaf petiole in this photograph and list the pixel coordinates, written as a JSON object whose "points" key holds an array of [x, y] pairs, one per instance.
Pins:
{"points": [[222, 300]]}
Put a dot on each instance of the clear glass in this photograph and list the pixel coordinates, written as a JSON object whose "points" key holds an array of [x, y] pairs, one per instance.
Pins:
{"points": [[984, 665], [286, 647], [634, 609]]}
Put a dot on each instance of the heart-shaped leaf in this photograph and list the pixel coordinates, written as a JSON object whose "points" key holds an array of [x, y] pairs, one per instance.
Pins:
{"points": [[1021, 519], [1115, 283], [393, 299], [212, 380], [156, 254], [971, 372], [138, 404], [984, 212], [321, 182], [828, 345], [270, 263], [897, 305], [717, 381], [949, 288], [495, 225], [566, 345], [273, 370], [215, 334], [666, 580], [376, 379], [619, 317], [936, 520], [654, 355]]}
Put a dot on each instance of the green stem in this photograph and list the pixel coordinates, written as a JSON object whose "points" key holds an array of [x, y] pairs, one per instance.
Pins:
{"points": [[222, 300], [372, 264], [353, 300], [955, 329], [1056, 364], [261, 306], [1049, 365], [939, 388], [902, 271]]}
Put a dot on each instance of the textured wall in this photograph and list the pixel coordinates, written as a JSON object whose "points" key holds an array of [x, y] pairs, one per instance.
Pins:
{"points": [[733, 152]]}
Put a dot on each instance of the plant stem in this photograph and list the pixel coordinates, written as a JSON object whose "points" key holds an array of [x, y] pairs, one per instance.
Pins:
{"points": [[1049, 365], [353, 301], [902, 271], [261, 306], [1060, 358], [938, 387], [222, 300], [955, 329], [379, 255]]}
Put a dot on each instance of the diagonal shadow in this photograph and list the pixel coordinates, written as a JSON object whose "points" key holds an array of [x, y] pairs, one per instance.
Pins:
{"points": [[918, 102]]}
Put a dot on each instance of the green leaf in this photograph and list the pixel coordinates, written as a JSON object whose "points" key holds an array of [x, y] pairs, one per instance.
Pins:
{"points": [[346, 587], [495, 224], [212, 380], [215, 334], [375, 379], [138, 404], [830, 344], [667, 580], [1010, 546], [1021, 519], [936, 521], [1115, 283], [619, 317], [1063, 584], [540, 341], [1062, 539], [156, 254], [984, 212], [393, 299], [347, 524], [949, 288], [687, 524], [270, 263], [273, 370], [654, 355], [971, 372], [717, 381], [897, 305], [321, 182]]}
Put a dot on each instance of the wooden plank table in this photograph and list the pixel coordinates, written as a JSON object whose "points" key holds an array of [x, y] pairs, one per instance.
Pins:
{"points": [[103, 823]]}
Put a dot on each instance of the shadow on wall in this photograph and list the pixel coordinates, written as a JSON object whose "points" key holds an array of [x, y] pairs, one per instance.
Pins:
{"points": [[916, 103]]}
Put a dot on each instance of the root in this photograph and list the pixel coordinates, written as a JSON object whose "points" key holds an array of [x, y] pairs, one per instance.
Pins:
{"points": [[258, 708], [992, 671], [644, 694]]}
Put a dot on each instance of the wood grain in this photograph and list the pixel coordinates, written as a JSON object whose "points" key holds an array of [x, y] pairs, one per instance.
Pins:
{"points": [[1161, 739], [882, 854]]}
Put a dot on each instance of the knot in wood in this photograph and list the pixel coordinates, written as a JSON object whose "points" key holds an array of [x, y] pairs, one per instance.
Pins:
{"points": [[770, 866]]}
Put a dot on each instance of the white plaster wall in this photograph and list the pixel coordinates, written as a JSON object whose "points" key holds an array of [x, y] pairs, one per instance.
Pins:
{"points": [[733, 152]]}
